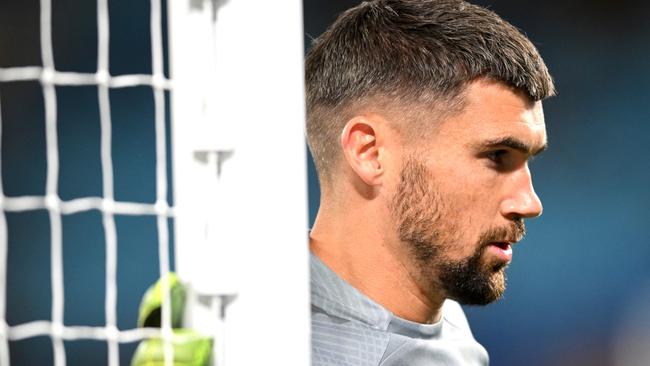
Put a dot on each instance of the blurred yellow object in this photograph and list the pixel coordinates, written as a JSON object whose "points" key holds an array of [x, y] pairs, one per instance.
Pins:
{"points": [[189, 349], [151, 304]]}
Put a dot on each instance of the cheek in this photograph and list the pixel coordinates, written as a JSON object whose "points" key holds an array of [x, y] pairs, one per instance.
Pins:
{"points": [[472, 188], [466, 194], [471, 206]]}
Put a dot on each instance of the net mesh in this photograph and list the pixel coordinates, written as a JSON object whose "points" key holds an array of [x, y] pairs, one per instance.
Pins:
{"points": [[49, 79]]}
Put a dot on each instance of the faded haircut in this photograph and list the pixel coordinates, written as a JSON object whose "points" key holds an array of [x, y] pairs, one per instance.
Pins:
{"points": [[409, 53]]}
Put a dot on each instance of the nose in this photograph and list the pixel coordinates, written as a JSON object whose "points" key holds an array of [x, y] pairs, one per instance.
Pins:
{"points": [[521, 201]]}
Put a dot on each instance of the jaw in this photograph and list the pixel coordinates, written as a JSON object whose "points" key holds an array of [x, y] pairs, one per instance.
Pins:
{"points": [[477, 280]]}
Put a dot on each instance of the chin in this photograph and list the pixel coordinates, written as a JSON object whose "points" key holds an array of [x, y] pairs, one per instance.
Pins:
{"points": [[477, 287]]}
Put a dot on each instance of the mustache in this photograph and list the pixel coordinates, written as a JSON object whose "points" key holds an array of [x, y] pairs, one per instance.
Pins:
{"points": [[512, 233]]}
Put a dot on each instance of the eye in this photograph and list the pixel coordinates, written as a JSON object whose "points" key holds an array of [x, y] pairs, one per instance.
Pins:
{"points": [[497, 156]]}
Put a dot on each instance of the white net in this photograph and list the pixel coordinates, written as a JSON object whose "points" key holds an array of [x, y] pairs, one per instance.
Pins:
{"points": [[49, 79], [239, 207]]}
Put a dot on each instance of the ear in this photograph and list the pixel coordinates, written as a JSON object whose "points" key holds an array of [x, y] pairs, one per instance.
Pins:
{"points": [[361, 149]]}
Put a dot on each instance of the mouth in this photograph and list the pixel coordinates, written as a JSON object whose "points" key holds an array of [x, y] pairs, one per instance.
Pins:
{"points": [[501, 249]]}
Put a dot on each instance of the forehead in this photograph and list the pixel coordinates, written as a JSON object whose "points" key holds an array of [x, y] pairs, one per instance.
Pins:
{"points": [[493, 110]]}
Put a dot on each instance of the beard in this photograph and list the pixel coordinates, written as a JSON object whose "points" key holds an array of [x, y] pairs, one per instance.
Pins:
{"points": [[428, 226]]}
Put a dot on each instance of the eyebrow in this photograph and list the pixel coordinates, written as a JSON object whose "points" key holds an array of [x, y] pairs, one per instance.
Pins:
{"points": [[515, 144]]}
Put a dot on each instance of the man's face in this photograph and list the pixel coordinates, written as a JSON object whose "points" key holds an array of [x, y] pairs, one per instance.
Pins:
{"points": [[461, 197]]}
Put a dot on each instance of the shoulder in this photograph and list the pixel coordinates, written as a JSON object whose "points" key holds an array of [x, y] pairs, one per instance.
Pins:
{"points": [[343, 342]]}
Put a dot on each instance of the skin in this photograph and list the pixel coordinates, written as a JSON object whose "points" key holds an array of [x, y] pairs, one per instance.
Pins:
{"points": [[475, 162]]}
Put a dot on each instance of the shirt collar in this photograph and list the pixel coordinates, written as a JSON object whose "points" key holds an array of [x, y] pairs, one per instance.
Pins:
{"points": [[337, 298]]}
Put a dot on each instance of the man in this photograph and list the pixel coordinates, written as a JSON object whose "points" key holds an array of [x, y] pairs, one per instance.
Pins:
{"points": [[422, 116]]}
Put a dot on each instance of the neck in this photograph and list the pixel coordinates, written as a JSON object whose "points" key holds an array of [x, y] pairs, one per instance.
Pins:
{"points": [[355, 247]]}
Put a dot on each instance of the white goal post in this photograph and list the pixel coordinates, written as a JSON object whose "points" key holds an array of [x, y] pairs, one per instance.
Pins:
{"points": [[240, 174]]}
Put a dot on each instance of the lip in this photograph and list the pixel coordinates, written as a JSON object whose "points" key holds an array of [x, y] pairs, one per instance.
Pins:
{"points": [[502, 250]]}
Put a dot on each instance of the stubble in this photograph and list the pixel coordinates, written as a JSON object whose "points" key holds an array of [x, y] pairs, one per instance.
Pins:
{"points": [[428, 227]]}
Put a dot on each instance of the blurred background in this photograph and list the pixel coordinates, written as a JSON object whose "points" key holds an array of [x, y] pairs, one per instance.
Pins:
{"points": [[579, 286], [29, 291]]}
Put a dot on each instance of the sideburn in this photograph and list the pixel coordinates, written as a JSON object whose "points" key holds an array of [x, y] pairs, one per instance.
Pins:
{"points": [[417, 208]]}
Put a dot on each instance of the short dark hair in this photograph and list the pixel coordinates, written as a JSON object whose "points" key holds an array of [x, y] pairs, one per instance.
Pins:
{"points": [[410, 51]]}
